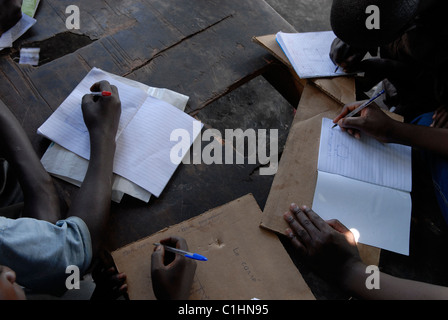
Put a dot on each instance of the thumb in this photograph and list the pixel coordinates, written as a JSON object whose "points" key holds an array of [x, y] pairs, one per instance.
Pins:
{"points": [[352, 123], [157, 258], [338, 226]]}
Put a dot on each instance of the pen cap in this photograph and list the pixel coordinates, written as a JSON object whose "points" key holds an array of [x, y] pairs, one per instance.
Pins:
{"points": [[196, 256]]}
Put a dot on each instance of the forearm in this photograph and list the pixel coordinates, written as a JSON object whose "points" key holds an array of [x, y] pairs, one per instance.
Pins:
{"points": [[420, 137], [390, 288], [18, 150], [40, 197], [93, 200]]}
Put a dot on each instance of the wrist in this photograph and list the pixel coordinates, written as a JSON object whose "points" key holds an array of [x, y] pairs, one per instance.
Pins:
{"points": [[393, 132], [353, 274]]}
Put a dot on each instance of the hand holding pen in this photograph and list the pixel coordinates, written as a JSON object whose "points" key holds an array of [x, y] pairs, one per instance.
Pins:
{"points": [[360, 108], [172, 273], [372, 121]]}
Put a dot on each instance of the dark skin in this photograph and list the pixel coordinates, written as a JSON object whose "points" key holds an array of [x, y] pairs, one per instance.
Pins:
{"points": [[40, 197], [92, 202], [375, 123], [331, 247], [410, 66], [9, 289], [172, 274], [10, 14], [331, 250]]}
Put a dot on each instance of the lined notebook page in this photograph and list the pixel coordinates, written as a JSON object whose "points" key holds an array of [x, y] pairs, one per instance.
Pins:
{"points": [[143, 141], [144, 148], [367, 160], [66, 125], [309, 53]]}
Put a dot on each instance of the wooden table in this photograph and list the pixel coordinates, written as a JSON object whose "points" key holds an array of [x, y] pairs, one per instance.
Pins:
{"points": [[200, 48]]}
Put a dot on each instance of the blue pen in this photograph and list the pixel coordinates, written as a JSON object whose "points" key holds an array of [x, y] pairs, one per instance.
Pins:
{"points": [[186, 254]]}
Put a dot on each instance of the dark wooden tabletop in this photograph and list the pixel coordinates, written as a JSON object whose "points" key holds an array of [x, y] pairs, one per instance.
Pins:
{"points": [[200, 48]]}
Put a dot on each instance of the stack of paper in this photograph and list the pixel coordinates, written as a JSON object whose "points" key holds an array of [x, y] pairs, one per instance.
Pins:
{"points": [[309, 53], [366, 185], [144, 145]]}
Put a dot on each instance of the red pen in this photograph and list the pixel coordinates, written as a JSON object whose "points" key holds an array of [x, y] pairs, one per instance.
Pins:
{"points": [[102, 94]]}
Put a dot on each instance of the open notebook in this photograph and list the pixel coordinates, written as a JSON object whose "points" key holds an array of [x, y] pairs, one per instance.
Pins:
{"points": [[309, 53], [144, 146], [366, 185]]}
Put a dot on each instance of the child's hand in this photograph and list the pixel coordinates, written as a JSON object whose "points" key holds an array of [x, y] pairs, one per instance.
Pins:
{"points": [[102, 114], [172, 274], [110, 285]]}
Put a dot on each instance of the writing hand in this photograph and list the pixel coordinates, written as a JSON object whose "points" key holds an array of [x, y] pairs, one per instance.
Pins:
{"points": [[346, 56], [172, 274], [372, 121]]}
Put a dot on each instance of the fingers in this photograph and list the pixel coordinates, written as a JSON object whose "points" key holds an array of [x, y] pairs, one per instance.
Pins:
{"points": [[351, 123], [175, 242], [305, 226], [162, 259], [347, 109], [338, 226], [157, 258], [440, 119], [296, 233], [117, 279], [101, 86], [315, 222]]}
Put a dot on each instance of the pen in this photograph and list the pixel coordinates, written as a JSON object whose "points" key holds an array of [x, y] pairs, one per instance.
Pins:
{"points": [[102, 94], [186, 254], [337, 68], [362, 107]]}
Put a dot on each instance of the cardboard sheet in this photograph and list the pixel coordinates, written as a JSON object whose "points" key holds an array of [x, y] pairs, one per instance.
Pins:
{"points": [[296, 178], [244, 260]]}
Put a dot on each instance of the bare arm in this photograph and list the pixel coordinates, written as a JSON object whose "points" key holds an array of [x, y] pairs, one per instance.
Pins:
{"points": [[332, 251], [93, 200], [40, 197], [390, 288], [377, 124]]}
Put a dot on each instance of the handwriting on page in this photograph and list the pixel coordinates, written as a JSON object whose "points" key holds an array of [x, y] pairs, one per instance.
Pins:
{"points": [[365, 159], [309, 53]]}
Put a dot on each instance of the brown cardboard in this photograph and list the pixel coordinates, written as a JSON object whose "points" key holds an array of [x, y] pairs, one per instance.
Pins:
{"points": [[341, 89], [245, 261], [295, 181]]}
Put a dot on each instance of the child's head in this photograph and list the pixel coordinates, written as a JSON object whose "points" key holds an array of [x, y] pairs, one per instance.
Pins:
{"points": [[349, 19], [9, 289]]}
